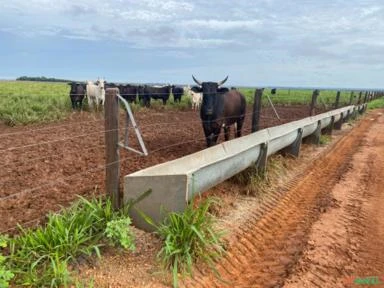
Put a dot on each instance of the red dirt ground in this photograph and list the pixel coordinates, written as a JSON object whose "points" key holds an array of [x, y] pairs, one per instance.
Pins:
{"points": [[45, 166], [319, 224], [324, 230]]}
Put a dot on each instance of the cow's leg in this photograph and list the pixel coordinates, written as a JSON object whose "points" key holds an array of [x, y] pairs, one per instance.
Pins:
{"points": [[164, 101], [73, 104], [207, 133], [239, 126], [226, 132], [216, 133], [90, 103]]}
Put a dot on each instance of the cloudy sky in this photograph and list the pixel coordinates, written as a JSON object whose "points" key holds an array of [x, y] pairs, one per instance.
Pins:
{"points": [[319, 43]]}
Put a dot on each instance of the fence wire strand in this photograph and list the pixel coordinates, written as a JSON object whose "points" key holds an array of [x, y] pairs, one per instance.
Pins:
{"points": [[61, 181], [47, 128]]}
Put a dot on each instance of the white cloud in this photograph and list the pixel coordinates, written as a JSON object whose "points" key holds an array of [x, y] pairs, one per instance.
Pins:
{"points": [[220, 25], [275, 32], [371, 10]]}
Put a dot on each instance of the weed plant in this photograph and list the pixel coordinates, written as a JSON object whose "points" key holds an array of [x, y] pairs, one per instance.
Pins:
{"points": [[44, 257], [257, 181], [189, 237]]}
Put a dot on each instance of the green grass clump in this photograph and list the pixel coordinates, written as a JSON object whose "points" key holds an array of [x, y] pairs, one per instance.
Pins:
{"points": [[43, 257], [376, 104], [257, 182], [188, 237], [325, 139]]}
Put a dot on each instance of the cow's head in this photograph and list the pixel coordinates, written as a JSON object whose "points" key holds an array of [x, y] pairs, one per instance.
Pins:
{"points": [[210, 91], [74, 86], [101, 83]]}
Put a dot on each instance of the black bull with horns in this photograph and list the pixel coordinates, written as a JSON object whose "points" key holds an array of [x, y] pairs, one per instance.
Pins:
{"points": [[220, 108]]}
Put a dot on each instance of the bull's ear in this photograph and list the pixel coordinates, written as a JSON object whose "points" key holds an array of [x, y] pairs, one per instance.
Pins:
{"points": [[197, 89], [222, 90]]}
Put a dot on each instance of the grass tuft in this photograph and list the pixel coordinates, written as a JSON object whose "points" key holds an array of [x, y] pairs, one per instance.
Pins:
{"points": [[376, 104], [188, 237], [43, 257], [255, 181], [325, 139]]}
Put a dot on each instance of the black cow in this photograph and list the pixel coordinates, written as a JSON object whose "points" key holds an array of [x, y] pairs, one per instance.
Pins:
{"points": [[128, 92], [147, 92], [77, 94], [220, 107], [273, 91], [177, 93]]}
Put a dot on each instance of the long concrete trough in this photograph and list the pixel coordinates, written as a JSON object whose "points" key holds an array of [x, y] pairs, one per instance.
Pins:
{"points": [[175, 182]]}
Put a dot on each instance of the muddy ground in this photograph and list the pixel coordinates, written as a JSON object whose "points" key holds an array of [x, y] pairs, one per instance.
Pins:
{"points": [[321, 224], [44, 167]]}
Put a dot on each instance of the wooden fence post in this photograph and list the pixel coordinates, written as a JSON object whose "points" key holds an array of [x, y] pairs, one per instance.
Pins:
{"points": [[256, 110], [112, 168], [313, 102], [337, 100], [366, 97], [359, 101], [351, 98]]}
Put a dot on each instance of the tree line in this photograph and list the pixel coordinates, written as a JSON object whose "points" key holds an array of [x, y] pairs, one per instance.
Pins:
{"points": [[41, 79]]}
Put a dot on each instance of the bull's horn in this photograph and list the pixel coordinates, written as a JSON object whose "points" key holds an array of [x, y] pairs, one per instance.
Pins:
{"points": [[222, 82], [197, 81]]}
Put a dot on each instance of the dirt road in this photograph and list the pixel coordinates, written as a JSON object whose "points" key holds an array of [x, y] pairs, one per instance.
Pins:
{"points": [[326, 229]]}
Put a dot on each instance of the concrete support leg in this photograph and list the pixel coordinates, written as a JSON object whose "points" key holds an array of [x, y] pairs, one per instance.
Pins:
{"points": [[346, 119], [362, 109], [261, 163], [339, 123], [294, 148], [329, 128], [315, 137], [354, 113]]}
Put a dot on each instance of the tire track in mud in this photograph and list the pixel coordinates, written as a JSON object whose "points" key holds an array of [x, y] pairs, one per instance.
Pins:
{"points": [[371, 253], [346, 243], [269, 245]]}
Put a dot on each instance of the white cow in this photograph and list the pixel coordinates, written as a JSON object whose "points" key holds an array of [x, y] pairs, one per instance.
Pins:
{"points": [[95, 93], [197, 98]]}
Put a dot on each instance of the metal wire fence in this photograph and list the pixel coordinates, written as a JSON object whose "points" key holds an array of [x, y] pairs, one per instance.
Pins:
{"points": [[165, 129]]}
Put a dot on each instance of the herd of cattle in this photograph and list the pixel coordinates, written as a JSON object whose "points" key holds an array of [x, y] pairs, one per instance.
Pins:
{"points": [[95, 93], [219, 107]]}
